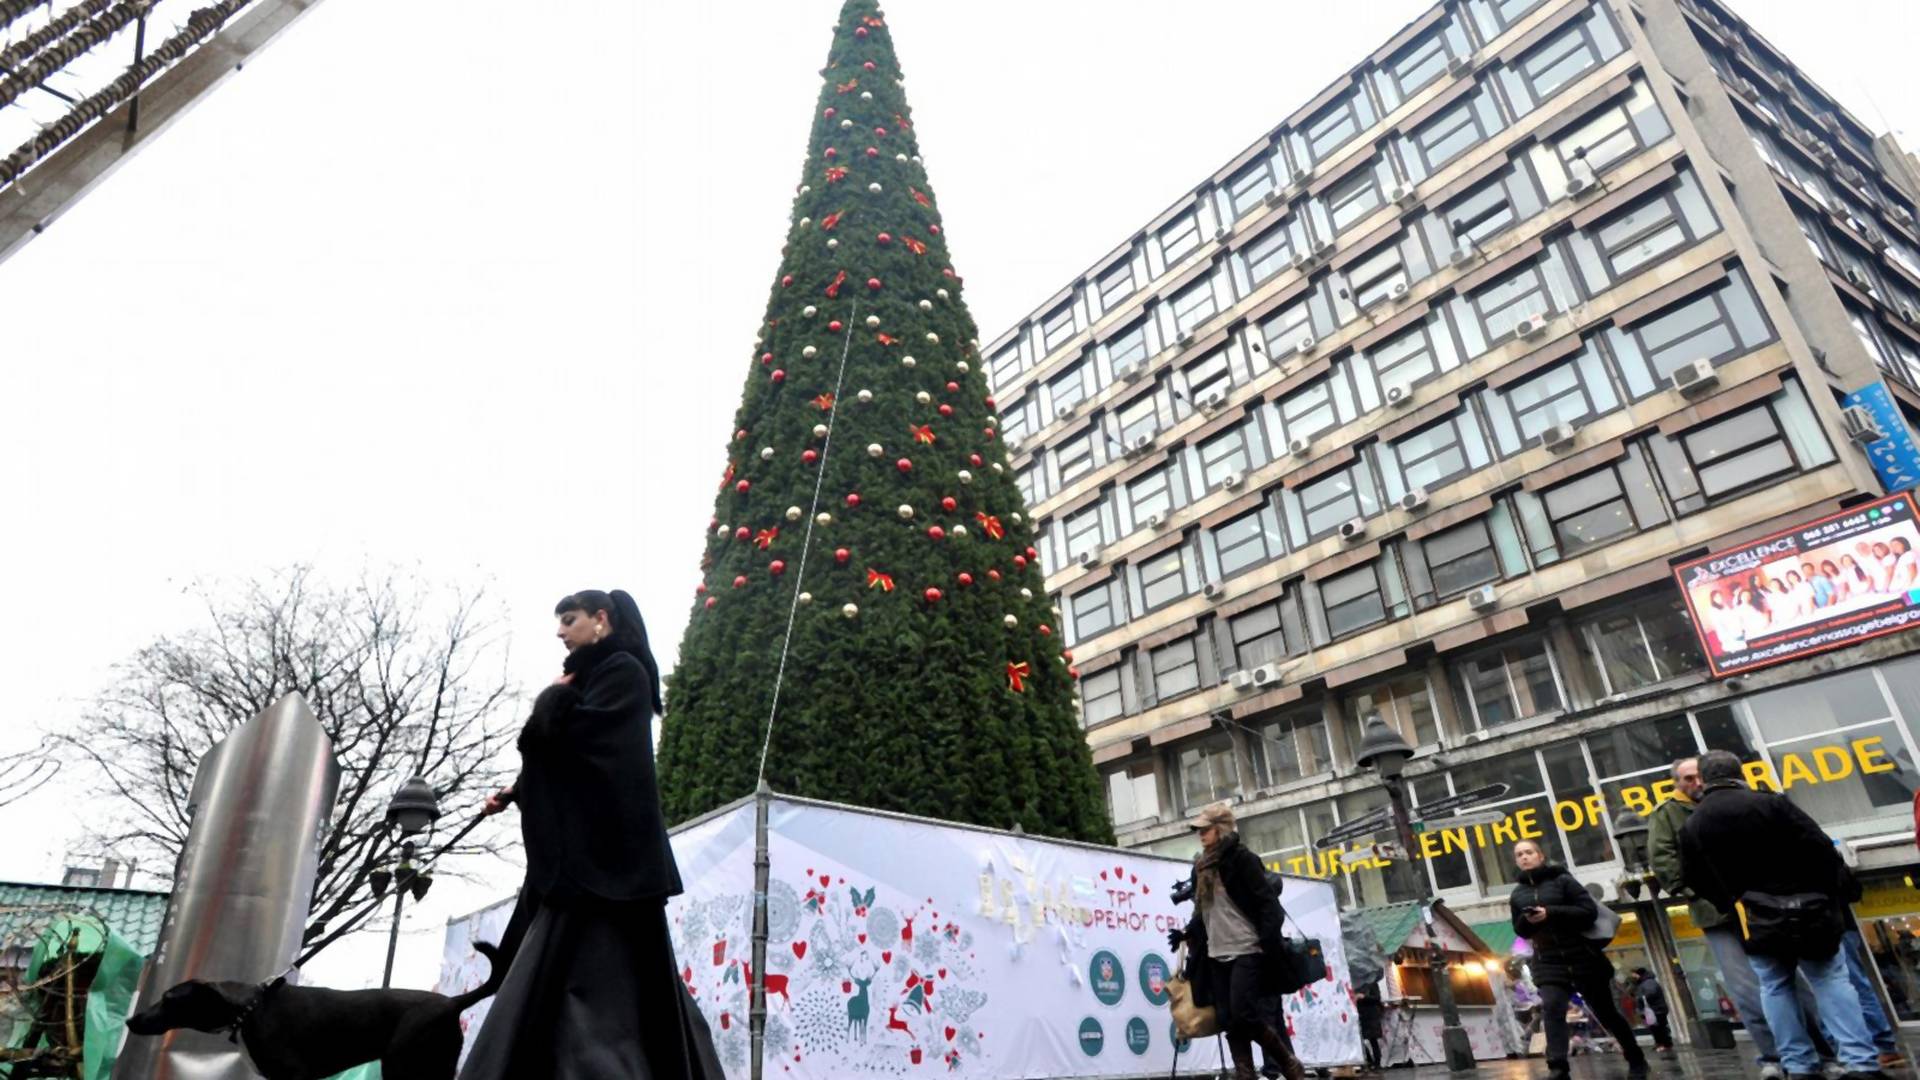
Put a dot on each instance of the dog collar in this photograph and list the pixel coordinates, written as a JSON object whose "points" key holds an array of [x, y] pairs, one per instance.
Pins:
{"points": [[253, 1002]]}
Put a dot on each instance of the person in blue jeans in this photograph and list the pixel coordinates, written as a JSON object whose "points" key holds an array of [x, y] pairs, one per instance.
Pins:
{"points": [[1755, 855], [1884, 1039]]}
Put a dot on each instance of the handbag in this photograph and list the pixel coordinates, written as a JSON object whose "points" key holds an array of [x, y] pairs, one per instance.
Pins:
{"points": [[1806, 926], [1305, 963], [1190, 1020], [1606, 923]]}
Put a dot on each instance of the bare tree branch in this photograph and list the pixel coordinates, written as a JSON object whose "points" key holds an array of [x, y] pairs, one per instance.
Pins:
{"points": [[406, 679]]}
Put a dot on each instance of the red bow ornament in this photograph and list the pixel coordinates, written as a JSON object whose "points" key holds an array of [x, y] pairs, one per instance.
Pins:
{"points": [[848, 87], [833, 290], [1017, 676], [836, 173], [727, 477], [886, 339], [765, 537], [827, 223], [878, 580], [824, 402], [923, 434], [991, 526], [915, 246], [919, 198]]}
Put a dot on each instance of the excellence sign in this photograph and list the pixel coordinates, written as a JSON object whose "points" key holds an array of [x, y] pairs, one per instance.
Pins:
{"points": [[1824, 585]]}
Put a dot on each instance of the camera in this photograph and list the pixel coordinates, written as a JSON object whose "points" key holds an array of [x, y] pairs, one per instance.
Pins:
{"points": [[1182, 891]]}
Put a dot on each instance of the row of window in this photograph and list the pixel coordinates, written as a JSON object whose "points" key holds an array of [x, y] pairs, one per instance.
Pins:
{"points": [[1615, 366], [1574, 268], [1875, 707], [1655, 480], [1508, 93]]}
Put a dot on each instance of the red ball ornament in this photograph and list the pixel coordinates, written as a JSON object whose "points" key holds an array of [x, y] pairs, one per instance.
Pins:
{"points": [[832, 153], [873, 151], [841, 555], [711, 602], [994, 575], [873, 283], [990, 402], [1066, 654], [853, 498], [1045, 630], [933, 595], [1074, 672], [869, 65], [741, 533], [945, 409], [861, 33], [741, 435], [740, 582], [766, 358], [880, 132], [935, 230], [975, 458], [949, 504], [743, 486], [809, 456], [777, 567], [700, 588], [988, 432], [786, 279], [965, 578], [953, 388], [829, 112], [884, 239], [835, 326], [1032, 554], [903, 465], [779, 375], [713, 523], [1019, 562], [935, 532]]}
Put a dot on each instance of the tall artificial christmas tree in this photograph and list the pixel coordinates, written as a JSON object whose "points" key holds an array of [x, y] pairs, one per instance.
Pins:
{"points": [[866, 502]]}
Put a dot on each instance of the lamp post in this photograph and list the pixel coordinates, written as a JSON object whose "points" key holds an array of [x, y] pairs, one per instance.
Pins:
{"points": [[413, 810], [1631, 830], [1383, 750]]}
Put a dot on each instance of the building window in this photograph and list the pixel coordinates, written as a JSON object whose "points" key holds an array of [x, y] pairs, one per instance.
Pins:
{"points": [[1492, 17], [1435, 455], [1133, 794], [1336, 124], [1502, 305], [1249, 541], [1094, 611], [1207, 772], [1589, 511], [1291, 748], [1844, 711], [1209, 373], [1359, 598], [1506, 684], [1325, 504], [1248, 187], [1224, 455], [1180, 238], [1057, 328], [1607, 137], [1259, 636], [1407, 359], [1152, 493], [1006, 364], [1566, 393], [1138, 417], [1116, 284], [1100, 699], [1481, 213], [1405, 703], [1074, 458], [1645, 643], [1733, 455], [1014, 420], [1715, 325], [1569, 54], [1286, 328], [1470, 122], [1269, 254], [1373, 278], [1084, 532], [1129, 346], [1353, 198], [1176, 669], [1413, 67], [1031, 484], [1194, 306], [1460, 558], [1164, 579]]}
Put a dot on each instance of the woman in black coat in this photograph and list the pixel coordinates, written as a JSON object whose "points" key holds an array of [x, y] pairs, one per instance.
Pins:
{"points": [[592, 991], [1234, 939], [1553, 911]]}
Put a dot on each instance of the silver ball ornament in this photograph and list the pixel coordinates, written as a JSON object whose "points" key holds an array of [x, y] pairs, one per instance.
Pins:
{"points": [[873, 320], [833, 243], [805, 598], [962, 366], [864, 397], [819, 431], [875, 188], [965, 477], [809, 352], [1026, 594], [793, 513], [933, 338], [874, 450], [905, 512], [766, 453], [1011, 621], [941, 293], [823, 519], [907, 361], [809, 311], [923, 398], [926, 305], [851, 611]]}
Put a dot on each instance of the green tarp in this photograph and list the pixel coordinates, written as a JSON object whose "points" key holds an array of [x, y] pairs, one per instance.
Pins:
{"points": [[109, 992]]}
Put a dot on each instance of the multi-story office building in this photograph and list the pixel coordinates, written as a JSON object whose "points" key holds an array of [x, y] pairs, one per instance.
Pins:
{"points": [[1412, 408]]}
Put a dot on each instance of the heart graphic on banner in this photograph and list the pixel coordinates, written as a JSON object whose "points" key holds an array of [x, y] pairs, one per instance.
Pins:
{"points": [[887, 957], [800, 950], [863, 939], [950, 1034], [825, 880], [943, 973]]}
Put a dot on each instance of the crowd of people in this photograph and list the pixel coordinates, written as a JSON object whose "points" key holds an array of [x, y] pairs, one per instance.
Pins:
{"points": [[1760, 603]]}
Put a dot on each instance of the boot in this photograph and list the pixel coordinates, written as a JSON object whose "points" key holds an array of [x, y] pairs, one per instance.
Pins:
{"points": [[1242, 1052], [1557, 1069], [1277, 1049]]}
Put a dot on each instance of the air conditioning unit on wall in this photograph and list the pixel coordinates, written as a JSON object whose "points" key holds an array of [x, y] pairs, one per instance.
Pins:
{"points": [[1414, 501], [1484, 598], [1695, 377], [1860, 425], [1557, 437], [1266, 675], [1352, 530]]}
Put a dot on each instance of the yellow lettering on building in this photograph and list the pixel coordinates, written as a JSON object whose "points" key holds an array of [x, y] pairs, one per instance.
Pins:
{"points": [[1832, 763], [1596, 806], [1429, 845], [1566, 807], [1793, 770], [1453, 840], [1527, 820], [1662, 790], [1873, 756], [1759, 774], [1636, 800]]}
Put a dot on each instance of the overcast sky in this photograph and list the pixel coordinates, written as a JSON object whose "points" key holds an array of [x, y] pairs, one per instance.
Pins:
{"points": [[447, 285]]}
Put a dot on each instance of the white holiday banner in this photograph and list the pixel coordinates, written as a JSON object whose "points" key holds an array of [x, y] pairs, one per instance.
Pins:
{"points": [[462, 969]]}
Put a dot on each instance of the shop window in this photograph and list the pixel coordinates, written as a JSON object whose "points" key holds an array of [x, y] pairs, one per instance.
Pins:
{"points": [[1100, 698], [1513, 682], [1395, 883], [1276, 837], [1527, 807], [1207, 772], [1639, 645], [1586, 838], [1133, 794], [1835, 748]]}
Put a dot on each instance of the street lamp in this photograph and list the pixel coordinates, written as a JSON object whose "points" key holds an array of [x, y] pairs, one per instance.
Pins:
{"points": [[1383, 750], [1631, 831], [413, 811]]}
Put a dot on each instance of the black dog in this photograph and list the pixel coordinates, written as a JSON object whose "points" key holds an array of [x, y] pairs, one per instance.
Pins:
{"points": [[308, 1033]]}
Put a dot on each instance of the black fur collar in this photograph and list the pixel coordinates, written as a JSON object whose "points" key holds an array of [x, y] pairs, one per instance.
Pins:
{"points": [[587, 657]]}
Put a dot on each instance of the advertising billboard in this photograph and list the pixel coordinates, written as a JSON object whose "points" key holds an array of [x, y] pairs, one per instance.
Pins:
{"points": [[1829, 583]]}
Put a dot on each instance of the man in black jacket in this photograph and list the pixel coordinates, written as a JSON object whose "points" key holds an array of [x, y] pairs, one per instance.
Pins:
{"points": [[1756, 856]]}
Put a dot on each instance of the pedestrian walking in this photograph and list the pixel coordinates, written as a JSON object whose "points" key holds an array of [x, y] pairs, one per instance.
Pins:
{"points": [[1652, 998], [1757, 857], [1555, 913], [1367, 1005]]}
